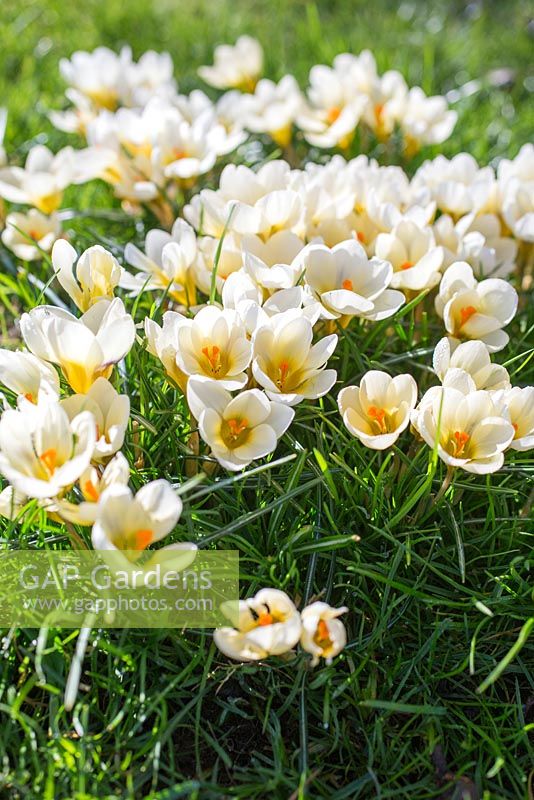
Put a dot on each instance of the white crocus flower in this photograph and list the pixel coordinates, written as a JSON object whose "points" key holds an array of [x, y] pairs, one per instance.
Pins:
{"points": [[214, 344], [30, 234], [267, 624], [240, 429], [412, 252], [273, 264], [457, 185], [162, 342], [235, 66], [476, 239], [468, 430], [424, 120], [98, 75], [378, 410], [518, 405], [111, 411], [323, 634], [92, 483], [42, 452], [11, 503], [228, 255], [286, 363], [95, 277], [127, 524], [347, 283], [167, 263], [273, 108], [28, 376], [85, 348], [473, 310], [468, 367], [45, 176]]}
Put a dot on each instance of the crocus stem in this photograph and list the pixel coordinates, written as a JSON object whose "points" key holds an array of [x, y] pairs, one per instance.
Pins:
{"points": [[445, 485]]}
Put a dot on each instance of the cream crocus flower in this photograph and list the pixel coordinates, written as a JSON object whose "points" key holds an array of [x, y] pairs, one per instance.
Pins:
{"points": [[235, 66], [95, 277], [467, 366], [240, 429], [111, 411], [11, 503], [214, 344], [167, 263], [412, 252], [85, 348], [41, 182], [162, 342], [42, 452], [30, 234], [323, 634], [473, 310], [273, 108], [267, 624], [127, 524], [347, 283], [378, 410], [92, 483], [468, 430], [28, 376], [518, 404], [424, 120], [286, 363], [273, 264]]}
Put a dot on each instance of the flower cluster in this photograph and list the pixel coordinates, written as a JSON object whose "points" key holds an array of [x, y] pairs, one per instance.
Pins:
{"points": [[259, 271]]}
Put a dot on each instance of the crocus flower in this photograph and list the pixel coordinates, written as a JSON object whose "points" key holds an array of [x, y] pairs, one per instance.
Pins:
{"points": [[235, 66], [473, 310], [111, 412], [240, 429], [267, 624], [30, 234], [286, 363], [467, 366], [323, 634], [85, 348], [28, 377], [378, 410], [42, 452], [95, 277], [347, 283], [468, 430]]}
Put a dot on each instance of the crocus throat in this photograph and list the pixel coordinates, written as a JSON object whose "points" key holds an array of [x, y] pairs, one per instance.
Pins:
{"points": [[49, 459], [459, 443], [322, 635], [283, 370], [378, 415], [332, 114], [143, 538], [214, 359], [90, 491], [466, 313], [237, 427]]}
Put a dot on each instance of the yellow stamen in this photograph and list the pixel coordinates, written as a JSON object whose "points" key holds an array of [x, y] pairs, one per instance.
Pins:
{"points": [[459, 444], [236, 427], [378, 415]]}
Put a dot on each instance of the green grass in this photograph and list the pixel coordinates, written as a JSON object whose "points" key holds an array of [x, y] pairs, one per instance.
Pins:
{"points": [[417, 705]]}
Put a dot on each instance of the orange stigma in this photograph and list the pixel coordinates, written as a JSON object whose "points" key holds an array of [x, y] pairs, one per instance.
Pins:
{"points": [[214, 359], [460, 441], [143, 538], [265, 619], [29, 396], [49, 459], [466, 313], [407, 265], [236, 427], [347, 284], [379, 110], [283, 370], [333, 114], [90, 491], [360, 237]]}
